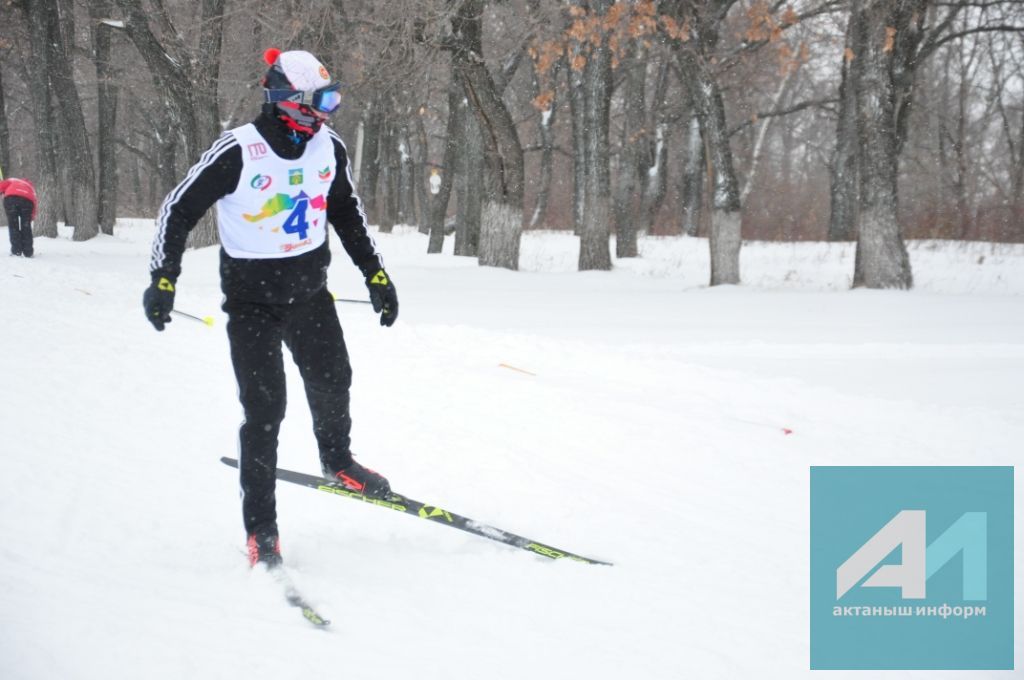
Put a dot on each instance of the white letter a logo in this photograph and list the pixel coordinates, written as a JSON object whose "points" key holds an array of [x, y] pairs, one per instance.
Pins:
{"points": [[907, 529]]}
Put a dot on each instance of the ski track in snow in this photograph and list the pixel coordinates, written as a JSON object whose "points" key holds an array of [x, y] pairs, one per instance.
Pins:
{"points": [[648, 429]]}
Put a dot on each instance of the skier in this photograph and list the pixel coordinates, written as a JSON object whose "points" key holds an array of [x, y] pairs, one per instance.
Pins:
{"points": [[277, 182], [20, 206]]}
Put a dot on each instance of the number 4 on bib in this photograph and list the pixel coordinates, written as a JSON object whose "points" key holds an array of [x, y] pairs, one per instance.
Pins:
{"points": [[296, 221]]}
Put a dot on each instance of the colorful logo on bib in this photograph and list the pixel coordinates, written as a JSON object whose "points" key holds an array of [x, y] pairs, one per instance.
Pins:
{"points": [[261, 182], [296, 222], [324, 174], [295, 177]]}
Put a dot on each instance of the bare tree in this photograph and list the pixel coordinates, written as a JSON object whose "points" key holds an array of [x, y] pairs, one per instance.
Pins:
{"points": [[691, 174], [881, 260], [51, 25], [469, 187], [369, 175], [694, 49], [596, 84], [106, 115], [5, 130], [886, 44], [845, 180], [501, 225], [187, 76], [694, 111], [548, 63], [34, 70], [439, 203], [654, 147], [578, 120]]}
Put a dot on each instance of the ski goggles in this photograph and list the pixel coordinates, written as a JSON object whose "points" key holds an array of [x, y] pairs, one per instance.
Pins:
{"points": [[325, 100]]}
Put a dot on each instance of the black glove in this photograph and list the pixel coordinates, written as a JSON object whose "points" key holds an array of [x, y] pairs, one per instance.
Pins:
{"points": [[383, 296], [158, 301]]}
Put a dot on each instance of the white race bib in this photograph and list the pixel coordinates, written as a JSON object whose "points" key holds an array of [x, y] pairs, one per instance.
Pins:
{"points": [[279, 208]]}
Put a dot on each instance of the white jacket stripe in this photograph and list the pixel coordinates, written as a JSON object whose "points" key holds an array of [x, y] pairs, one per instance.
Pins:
{"points": [[359, 201], [206, 160]]}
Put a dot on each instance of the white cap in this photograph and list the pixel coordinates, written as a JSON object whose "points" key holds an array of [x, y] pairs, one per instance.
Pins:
{"points": [[303, 70]]}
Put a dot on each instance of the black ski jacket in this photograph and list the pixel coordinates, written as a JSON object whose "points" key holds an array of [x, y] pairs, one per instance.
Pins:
{"points": [[271, 281]]}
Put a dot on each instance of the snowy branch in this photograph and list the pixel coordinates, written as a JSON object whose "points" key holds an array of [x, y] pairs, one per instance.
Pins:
{"points": [[799, 106], [997, 28]]}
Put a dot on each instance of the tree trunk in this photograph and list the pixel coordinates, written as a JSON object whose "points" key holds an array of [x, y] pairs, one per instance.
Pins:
{"points": [[881, 260], [206, 77], [49, 192], [546, 135], [76, 161], [501, 224], [189, 83], [844, 179], [135, 181], [107, 94], [960, 146], [654, 165], [406, 177], [254, 72], [1018, 185], [438, 209], [724, 235], [724, 240], [908, 19], [387, 184], [594, 247], [5, 132], [168, 69], [369, 174], [691, 176], [694, 62], [624, 209], [503, 153], [578, 114], [420, 174], [207, 72], [942, 175], [655, 179], [166, 147], [470, 184]]}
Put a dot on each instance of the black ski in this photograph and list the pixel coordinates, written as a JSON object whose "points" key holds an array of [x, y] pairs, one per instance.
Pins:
{"points": [[428, 512]]}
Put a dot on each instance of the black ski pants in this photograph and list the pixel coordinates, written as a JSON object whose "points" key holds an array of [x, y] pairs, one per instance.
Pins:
{"points": [[312, 333], [19, 224]]}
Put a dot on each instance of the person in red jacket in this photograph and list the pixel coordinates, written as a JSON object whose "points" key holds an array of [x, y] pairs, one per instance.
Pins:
{"points": [[20, 205]]}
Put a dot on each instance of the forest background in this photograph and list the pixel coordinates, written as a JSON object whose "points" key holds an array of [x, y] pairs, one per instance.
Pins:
{"points": [[873, 121]]}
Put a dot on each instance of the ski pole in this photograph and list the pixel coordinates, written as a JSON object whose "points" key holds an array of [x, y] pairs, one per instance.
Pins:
{"points": [[208, 320], [339, 299]]}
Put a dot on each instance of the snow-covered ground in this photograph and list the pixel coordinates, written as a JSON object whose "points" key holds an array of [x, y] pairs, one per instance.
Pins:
{"points": [[650, 434]]}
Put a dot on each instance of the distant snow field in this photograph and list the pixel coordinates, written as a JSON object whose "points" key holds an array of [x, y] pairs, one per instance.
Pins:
{"points": [[654, 422]]}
